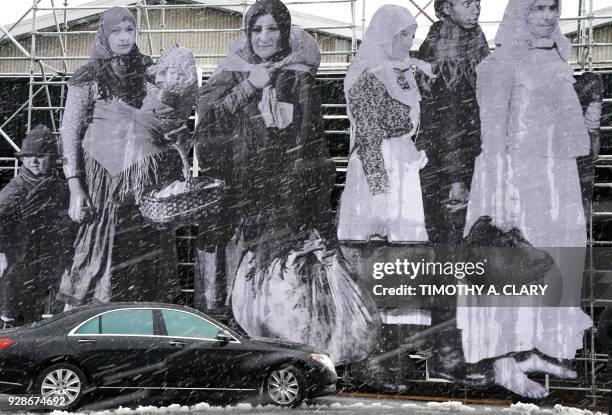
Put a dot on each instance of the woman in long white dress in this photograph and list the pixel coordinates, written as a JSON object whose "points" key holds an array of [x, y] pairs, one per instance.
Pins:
{"points": [[382, 195], [526, 178]]}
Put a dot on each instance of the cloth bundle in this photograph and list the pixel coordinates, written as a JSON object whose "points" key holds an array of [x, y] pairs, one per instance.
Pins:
{"points": [[309, 298]]}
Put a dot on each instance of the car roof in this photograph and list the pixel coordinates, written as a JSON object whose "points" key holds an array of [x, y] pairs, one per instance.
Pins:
{"points": [[93, 309], [133, 304]]}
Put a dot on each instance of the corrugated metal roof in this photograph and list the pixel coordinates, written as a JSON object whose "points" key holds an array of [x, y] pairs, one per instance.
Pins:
{"points": [[47, 21], [570, 27]]}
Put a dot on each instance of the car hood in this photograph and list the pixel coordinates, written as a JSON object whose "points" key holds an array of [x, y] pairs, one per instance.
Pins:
{"points": [[21, 329], [282, 344]]}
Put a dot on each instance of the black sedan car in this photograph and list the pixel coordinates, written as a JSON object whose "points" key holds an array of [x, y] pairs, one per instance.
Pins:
{"points": [[132, 346]]}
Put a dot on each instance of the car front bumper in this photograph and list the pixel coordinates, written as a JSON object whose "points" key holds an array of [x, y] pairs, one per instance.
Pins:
{"points": [[324, 391]]}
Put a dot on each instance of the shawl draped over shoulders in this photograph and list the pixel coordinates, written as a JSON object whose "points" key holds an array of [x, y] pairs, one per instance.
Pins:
{"points": [[278, 180]]}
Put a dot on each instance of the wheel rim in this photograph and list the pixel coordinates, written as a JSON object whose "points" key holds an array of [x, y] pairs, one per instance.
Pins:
{"points": [[61, 383], [283, 387]]}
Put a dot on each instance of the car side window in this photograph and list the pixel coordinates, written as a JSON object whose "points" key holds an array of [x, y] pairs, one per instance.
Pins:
{"points": [[180, 324], [130, 321], [91, 327]]}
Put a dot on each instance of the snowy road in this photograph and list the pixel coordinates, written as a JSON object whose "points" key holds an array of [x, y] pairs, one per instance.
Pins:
{"points": [[337, 405]]}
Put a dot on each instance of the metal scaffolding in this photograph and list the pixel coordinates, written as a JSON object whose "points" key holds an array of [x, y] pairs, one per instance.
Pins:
{"points": [[43, 75]]}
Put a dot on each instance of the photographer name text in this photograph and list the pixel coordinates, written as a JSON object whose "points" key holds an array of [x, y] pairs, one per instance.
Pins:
{"points": [[410, 270]]}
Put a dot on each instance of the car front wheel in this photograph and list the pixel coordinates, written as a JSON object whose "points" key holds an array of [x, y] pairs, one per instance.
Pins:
{"points": [[285, 387], [62, 384]]}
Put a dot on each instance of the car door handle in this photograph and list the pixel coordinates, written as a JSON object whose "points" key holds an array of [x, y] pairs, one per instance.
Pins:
{"points": [[87, 341], [177, 343]]}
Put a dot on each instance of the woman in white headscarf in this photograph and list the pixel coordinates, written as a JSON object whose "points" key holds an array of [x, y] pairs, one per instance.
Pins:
{"points": [[382, 195], [526, 178]]}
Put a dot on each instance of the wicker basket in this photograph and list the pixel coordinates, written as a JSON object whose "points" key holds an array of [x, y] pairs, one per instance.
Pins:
{"points": [[199, 204]]}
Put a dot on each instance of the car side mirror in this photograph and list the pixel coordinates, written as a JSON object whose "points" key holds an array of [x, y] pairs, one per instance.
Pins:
{"points": [[224, 336]]}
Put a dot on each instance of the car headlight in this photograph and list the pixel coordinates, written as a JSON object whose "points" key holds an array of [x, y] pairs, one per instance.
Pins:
{"points": [[324, 360]]}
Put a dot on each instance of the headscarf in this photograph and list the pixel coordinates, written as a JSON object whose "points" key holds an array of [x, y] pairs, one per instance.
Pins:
{"points": [[376, 55], [305, 56], [514, 38], [118, 76], [281, 15]]}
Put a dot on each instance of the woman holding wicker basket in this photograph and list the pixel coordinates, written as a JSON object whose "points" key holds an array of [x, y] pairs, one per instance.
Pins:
{"points": [[261, 131], [119, 108]]}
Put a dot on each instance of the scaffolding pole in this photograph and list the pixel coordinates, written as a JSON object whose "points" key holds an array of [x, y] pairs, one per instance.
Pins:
{"points": [[32, 63]]}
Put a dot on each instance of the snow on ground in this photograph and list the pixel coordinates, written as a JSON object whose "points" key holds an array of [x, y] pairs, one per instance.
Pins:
{"points": [[347, 406]]}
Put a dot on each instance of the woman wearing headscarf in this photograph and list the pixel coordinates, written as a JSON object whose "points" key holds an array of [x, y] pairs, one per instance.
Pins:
{"points": [[526, 179], [261, 130], [382, 194], [112, 152]]}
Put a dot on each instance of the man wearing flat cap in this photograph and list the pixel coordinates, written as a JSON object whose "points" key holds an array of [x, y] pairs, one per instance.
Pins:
{"points": [[34, 231]]}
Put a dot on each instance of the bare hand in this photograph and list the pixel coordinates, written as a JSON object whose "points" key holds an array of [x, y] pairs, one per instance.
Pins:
{"points": [[458, 197], [81, 209], [592, 116], [260, 76], [427, 70], [180, 136], [3, 263], [423, 160]]}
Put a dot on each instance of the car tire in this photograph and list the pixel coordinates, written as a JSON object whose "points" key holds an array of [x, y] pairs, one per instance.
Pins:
{"points": [[285, 386], [62, 380]]}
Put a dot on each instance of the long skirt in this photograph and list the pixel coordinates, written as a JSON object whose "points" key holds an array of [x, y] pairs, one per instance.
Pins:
{"points": [[396, 215], [119, 256], [542, 198]]}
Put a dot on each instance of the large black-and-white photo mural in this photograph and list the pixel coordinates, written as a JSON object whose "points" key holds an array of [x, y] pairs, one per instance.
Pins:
{"points": [[455, 231]]}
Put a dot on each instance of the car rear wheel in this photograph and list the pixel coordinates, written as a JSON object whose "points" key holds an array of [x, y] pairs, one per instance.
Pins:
{"points": [[285, 386], [62, 384]]}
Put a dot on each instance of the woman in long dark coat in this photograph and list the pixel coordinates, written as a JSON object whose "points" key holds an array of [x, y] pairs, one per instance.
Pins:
{"points": [[261, 130]]}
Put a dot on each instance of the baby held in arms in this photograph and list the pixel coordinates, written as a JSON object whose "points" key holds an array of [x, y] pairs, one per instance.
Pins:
{"points": [[170, 100]]}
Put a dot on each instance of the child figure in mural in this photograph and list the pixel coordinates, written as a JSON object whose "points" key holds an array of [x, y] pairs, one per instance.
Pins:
{"points": [[118, 109], [450, 136], [261, 130], [526, 179], [450, 126], [382, 194], [35, 232]]}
